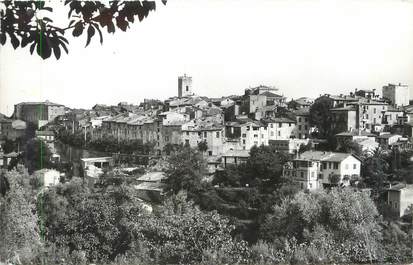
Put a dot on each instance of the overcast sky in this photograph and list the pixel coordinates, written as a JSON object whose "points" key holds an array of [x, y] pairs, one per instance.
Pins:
{"points": [[305, 48]]}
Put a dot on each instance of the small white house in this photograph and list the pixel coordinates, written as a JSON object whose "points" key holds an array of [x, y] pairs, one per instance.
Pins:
{"points": [[49, 177], [315, 169]]}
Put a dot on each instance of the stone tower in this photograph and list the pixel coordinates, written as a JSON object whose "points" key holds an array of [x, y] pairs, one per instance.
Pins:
{"points": [[184, 86]]}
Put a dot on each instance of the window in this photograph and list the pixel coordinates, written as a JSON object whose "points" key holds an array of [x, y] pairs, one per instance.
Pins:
{"points": [[306, 127], [187, 142], [335, 165], [187, 133], [299, 127], [302, 174], [305, 119], [243, 141], [299, 119], [205, 134], [325, 165], [299, 136], [210, 153], [199, 134], [244, 135], [279, 133], [312, 174], [187, 88], [272, 133], [395, 205], [329, 165], [217, 134], [354, 166], [262, 135], [289, 125], [255, 135], [374, 110], [280, 124], [271, 125]]}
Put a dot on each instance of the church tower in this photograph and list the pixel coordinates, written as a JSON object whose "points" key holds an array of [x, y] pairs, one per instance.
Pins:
{"points": [[184, 86]]}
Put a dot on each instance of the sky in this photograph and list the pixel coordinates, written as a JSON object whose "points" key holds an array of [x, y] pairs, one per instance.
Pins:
{"points": [[303, 47]]}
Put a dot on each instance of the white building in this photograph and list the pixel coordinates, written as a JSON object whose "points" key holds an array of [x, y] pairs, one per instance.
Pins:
{"points": [[315, 169], [398, 95], [281, 128], [208, 131], [49, 177], [253, 133]]}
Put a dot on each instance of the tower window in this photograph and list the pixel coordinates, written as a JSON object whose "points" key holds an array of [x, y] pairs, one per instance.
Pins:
{"points": [[187, 88]]}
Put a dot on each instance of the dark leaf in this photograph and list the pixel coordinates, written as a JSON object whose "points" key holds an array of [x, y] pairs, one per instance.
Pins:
{"points": [[71, 22], [44, 48], [63, 39], [78, 29], [64, 47], [48, 9], [90, 33], [130, 18], [150, 5], [68, 1], [99, 31], [32, 47], [122, 23], [14, 40], [2, 38], [111, 27], [56, 51], [164, 2]]}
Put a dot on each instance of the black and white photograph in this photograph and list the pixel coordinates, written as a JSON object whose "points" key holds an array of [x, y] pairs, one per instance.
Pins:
{"points": [[210, 132]]}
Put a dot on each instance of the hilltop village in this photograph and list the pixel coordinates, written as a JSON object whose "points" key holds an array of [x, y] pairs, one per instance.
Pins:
{"points": [[237, 155]]}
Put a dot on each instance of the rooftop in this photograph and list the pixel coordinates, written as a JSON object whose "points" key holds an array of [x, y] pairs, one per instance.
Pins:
{"points": [[237, 153], [152, 177], [47, 103], [324, 156]]}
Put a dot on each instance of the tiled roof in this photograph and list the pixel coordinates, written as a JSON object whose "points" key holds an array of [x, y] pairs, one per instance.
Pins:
{"points": [[302, 112], [387, 135], [280, 119], [237, 153], [356, 133], [324, 156]]}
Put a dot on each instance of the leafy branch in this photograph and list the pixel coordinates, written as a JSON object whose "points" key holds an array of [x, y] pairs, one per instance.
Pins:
{"points": [[24, 23]]}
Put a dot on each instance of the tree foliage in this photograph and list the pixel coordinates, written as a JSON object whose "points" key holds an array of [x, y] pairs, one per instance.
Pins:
{"points": [[342, 225], [321, 117], [27, 23], [19, 231], [37, 155], [186, 169]]}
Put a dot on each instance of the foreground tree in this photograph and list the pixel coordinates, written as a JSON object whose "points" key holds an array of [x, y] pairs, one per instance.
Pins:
{"points": [[27, 22], [19, 231], [342, 225], [180, 233]]}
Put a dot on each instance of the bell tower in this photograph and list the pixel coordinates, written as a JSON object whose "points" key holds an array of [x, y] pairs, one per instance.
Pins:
{"points": [[184, 86]]}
